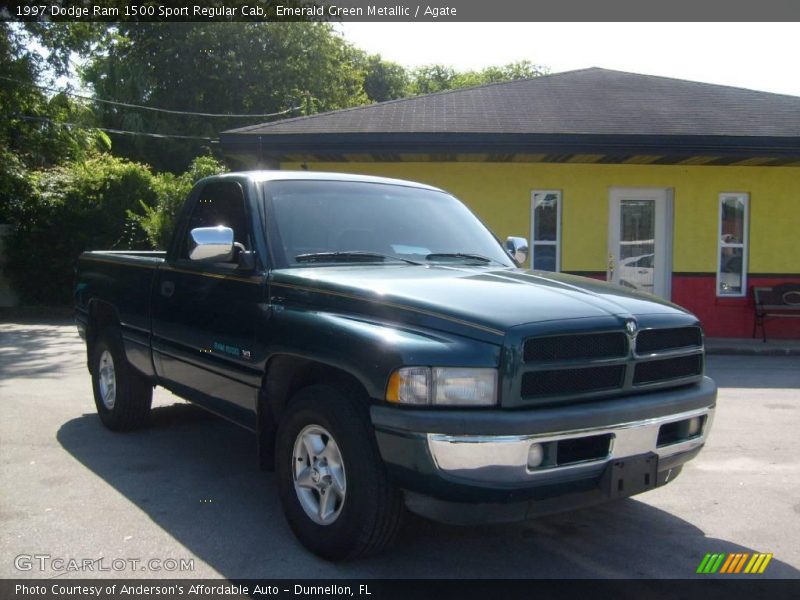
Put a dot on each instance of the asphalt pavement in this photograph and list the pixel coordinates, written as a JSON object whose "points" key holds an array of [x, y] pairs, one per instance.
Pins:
{"points": [[185, 498]]}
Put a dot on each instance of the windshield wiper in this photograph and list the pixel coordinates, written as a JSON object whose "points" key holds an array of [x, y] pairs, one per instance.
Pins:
{"points": [[465, 255], [350, 256]]}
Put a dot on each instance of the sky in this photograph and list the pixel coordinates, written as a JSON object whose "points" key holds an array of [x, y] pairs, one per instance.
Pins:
{"points": [[759, 56]]}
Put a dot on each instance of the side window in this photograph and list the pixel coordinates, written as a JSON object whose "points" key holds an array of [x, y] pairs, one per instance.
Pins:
{"points": [[546, 230], [220, 203], [646, 262], [732, 244]]}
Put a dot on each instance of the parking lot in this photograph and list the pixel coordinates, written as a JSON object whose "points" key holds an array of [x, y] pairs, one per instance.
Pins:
{"points": [[188, 488]]}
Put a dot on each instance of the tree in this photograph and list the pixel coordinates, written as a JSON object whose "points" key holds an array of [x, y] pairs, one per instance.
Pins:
{"points": [[65, 41], [523, 69], [232, 68], [437, 78], [432, 78], [36, 131], [384, 80], [256, 68]]}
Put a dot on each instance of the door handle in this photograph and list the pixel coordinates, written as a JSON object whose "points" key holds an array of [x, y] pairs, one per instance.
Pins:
{"points": [[167, 289]]}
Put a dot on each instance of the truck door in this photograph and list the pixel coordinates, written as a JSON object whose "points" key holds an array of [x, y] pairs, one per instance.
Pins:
{"points": [[205, 314]]}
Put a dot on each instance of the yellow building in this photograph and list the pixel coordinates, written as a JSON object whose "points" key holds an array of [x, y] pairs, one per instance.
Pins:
{"points": [[687, 190]]}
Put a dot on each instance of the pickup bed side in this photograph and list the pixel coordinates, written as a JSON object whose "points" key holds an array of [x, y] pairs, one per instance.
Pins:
{"points": [[115, 288]]}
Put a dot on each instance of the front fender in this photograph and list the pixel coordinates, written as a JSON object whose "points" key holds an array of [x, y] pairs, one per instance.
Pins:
{"points": [[371, 350]]}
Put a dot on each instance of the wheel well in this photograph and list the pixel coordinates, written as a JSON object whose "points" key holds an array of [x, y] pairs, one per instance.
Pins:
{"points": [[284, 377], [101, 316]]}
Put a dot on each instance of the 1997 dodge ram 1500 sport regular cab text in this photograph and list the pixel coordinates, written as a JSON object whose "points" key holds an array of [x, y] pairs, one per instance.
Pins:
{"points": [[388, 353]]}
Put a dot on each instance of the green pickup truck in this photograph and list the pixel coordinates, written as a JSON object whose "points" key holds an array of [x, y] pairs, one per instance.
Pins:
{"points": [[389, 354]]}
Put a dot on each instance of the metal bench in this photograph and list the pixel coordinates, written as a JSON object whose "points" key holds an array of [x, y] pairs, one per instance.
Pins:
{"points": [[780, 301]]}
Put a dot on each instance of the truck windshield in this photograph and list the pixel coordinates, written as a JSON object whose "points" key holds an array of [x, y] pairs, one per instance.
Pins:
{"points": [[334, 222]]}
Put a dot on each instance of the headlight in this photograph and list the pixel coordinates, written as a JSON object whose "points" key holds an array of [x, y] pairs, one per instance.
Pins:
{"points": [[443, 386]]}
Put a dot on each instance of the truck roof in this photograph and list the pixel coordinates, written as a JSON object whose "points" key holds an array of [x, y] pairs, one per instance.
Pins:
{"points": [[278, 175]]}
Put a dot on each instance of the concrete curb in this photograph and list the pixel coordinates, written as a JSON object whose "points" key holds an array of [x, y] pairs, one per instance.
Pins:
{"points": [[755, 348]]}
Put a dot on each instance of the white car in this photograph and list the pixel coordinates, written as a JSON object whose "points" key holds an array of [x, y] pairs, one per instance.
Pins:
{"points": [[637, 272]]}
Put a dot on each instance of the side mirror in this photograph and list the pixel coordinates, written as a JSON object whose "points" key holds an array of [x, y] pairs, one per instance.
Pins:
{"points": [[517, 248], [213, 244]]}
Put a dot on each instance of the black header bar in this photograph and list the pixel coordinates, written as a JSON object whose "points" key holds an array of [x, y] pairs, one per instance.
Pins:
{"points": [[748, 587], [404, 10]]}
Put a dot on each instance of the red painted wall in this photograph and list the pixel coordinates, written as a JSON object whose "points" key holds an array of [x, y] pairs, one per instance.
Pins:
{"points": [[727, 317], [730, 317]]}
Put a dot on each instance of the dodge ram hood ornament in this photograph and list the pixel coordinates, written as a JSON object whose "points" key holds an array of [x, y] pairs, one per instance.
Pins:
{"points": [[631, 327]]}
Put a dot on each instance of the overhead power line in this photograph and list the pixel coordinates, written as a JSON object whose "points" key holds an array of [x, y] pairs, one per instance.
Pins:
{"points": [[152, 108], [119, 131]]}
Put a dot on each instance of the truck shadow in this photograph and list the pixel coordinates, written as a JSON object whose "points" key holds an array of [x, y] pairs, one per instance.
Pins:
{"points": [[196, 477]]}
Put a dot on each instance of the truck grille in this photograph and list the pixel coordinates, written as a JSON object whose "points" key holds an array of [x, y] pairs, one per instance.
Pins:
{"points": [[536, 384], [584, 366], [655, 340], [571, 347], [668, 369]]}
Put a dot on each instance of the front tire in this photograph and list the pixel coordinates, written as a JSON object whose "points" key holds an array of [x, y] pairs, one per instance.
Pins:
{"points": [[331, 480], [122, 395]]}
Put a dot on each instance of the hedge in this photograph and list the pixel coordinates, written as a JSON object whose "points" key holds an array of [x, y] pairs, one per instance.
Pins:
{"points": [[103, 203]]}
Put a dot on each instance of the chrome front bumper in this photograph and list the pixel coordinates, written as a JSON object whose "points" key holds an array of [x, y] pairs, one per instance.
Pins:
{"points": [[504, 459]]}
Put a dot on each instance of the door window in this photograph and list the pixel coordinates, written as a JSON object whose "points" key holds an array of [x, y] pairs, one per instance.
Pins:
{"points": [[220, 203], [639, 239], [637, 244]]}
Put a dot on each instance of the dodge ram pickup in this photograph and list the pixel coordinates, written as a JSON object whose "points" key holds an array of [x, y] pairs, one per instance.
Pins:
{"points": [[389, 353]]}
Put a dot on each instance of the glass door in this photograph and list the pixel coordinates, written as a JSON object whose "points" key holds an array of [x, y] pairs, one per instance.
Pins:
{"points": [[640, 239]]}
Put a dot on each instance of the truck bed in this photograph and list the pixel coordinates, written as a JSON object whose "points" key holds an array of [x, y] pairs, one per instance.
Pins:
{"points": [[123, 279]]}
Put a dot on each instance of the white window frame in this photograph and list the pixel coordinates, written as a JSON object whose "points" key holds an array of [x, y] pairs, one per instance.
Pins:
{"points": [[557, 241], [744, 245]]}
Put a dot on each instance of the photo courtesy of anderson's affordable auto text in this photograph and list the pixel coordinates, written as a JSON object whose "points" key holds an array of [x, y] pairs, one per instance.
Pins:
{"points": [[341, 299]]}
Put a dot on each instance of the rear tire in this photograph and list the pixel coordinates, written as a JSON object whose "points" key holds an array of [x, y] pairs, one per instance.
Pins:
{"points": [[331, 480], [122, 395]]}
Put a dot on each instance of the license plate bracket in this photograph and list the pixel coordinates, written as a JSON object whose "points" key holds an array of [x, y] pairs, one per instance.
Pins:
{"points": [[630, 475]]}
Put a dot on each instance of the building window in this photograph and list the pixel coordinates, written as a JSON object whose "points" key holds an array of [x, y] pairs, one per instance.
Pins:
{"points": [[734, 215], [546, 230]]}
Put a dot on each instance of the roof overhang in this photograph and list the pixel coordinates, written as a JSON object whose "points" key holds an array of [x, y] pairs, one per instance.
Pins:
{"points": [[505, 147]]}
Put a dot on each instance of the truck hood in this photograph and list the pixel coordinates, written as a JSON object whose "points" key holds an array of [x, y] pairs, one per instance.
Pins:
{"points": [[489, 299]]}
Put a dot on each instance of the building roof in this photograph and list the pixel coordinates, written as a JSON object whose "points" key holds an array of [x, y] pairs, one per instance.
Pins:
{"points": [[590, 110]]}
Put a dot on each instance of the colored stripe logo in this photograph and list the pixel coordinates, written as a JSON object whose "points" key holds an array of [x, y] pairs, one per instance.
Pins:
{"points": [[737, 562]]}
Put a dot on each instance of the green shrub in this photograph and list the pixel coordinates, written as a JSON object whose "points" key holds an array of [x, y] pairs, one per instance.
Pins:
{"points": [[157, 221], [75, 207], [103, 203], [16, 185]]}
